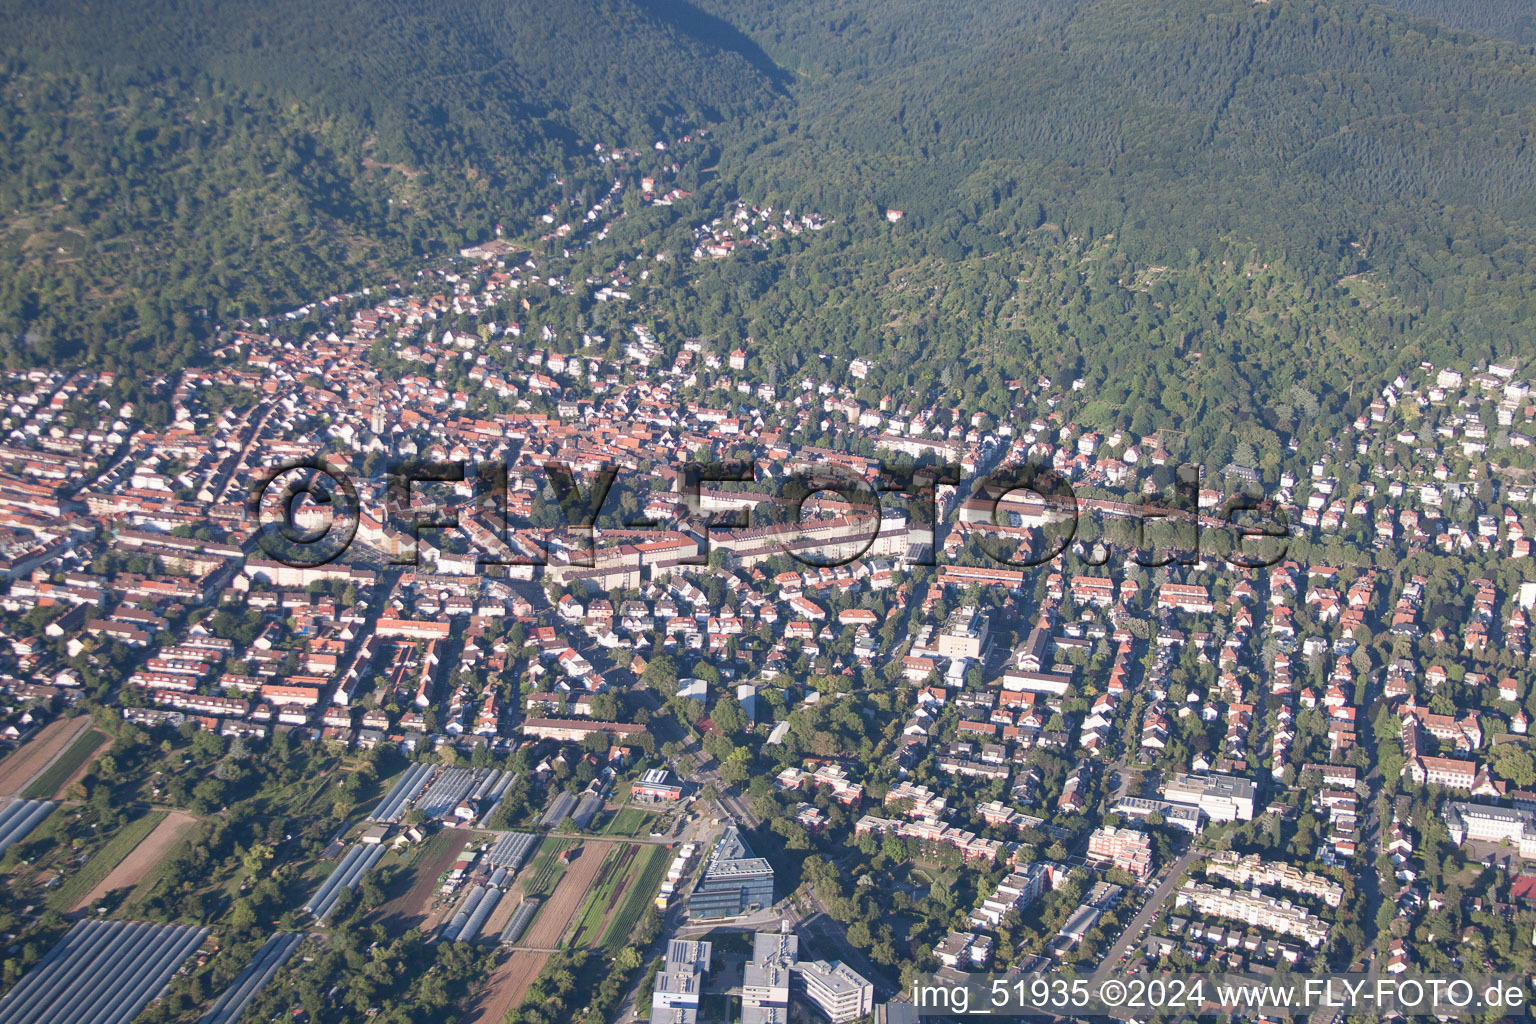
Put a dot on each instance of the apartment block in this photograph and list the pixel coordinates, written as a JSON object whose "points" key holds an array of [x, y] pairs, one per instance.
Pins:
{"points": [[1254, 909], [1127, 849], [1254, 870]]}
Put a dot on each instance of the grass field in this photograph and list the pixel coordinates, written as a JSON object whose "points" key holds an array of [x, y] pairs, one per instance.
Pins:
{"points": [[626, 822], [653, 868], [105, 859], [546, 868], [46, 784]]}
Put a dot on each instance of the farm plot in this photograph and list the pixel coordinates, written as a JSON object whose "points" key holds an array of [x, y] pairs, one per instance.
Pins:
{"points": [[136, 861], [20, 769], [101, 863], [652, 867], [558, 912], [412, 908], [617, 869], [547, 867], [628, 821]]}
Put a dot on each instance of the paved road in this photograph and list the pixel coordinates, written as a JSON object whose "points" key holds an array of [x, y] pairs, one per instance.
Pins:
{"points": [[1154, 903]]}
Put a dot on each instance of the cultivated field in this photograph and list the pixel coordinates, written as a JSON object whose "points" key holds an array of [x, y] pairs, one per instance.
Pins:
{"points": [[555, 917], [631, 904], [504, 990], [413, 907], [142, 858], [541, 875], [36, 755], [627, 821], [620, 868]]}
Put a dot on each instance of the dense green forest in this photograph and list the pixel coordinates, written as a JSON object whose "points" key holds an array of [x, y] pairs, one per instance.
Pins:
{"points": [[168, 166], [1514, 20]]}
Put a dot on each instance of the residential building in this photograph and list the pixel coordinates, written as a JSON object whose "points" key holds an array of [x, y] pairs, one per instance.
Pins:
{"points": [[1128, 849], [1254, 909]]}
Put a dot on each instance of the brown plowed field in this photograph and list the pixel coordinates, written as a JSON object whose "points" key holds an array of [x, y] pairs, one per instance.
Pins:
{"points": [[413, 908], [504, 989], [141, 858], [556, 916]]}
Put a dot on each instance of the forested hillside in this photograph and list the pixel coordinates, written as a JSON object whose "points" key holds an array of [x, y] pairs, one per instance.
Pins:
{"points": [[166, 166], [1314, 123], [433, 82]]}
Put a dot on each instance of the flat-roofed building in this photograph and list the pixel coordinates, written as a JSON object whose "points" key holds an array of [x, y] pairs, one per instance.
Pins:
{"points": [[735, 880], [964, 635], [1254, 870], [656, 784], [1185, 816], [837, 990], [1127, 849], [1221, 797], [1254, 909], [766, 978], [675, 996]]}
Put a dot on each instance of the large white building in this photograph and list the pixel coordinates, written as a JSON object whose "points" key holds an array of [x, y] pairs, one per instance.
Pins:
{"points": [[1483, 823], [675, 997], [837, 990], [1221, 797], [964, 635], [766, 978], [1254, 870]]}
